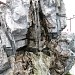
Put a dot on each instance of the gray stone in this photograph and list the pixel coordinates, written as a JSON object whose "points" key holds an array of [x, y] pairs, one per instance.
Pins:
{"points": [[30, 36], [5, 67]]}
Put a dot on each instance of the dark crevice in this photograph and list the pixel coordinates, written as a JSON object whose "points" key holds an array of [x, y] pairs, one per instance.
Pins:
{"points": [[43, 22]]}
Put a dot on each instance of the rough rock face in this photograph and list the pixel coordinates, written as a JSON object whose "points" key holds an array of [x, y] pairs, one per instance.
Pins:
{"points": [[31, 38]]}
